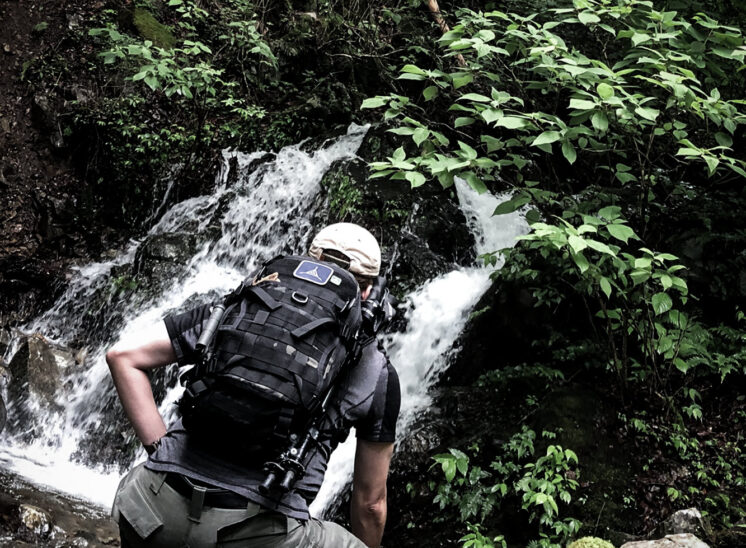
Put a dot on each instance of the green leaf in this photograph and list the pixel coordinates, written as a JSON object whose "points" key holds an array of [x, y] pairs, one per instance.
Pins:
{"points": [[474, 182], [152, 82], [546, 138], [723, 139], [712, 163], [420, 135], [581, 261], [410, 76], [687, 151], [462, 80], [600, 121], [625, 178], [610, 212], [512, 122], [492, 143], [605, 286], [468, 152], [604, 90], [621, 232], [511, 205], [415, 178], [600, 247], [661, 303], [463, 121], [401, 131], [587, 17], [430, 92], [577, 243], [476, 97], [568, 151], [647, 113], [375, 102], [413, 69], [582, 104], [639, 38], [639, 276], [643, 263]]}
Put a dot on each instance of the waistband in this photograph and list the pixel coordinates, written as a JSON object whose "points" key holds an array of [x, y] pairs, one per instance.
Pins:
{"points": [[205, 495]]}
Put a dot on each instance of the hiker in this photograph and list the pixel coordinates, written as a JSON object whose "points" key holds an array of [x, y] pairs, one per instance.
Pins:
{"points": [[215, 481]]}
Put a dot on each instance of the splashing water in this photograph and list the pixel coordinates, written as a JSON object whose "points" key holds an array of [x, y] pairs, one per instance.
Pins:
{"points": [[436, 315], [263, 206]]}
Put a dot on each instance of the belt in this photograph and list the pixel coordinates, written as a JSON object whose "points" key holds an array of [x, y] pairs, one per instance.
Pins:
{"points": [[215, 497]]}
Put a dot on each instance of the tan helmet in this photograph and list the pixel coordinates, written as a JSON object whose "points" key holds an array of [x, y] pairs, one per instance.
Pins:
{"points": [[355, 242]]}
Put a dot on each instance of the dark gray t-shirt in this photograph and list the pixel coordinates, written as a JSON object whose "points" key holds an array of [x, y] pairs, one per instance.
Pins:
{"points": [[368, 398]]}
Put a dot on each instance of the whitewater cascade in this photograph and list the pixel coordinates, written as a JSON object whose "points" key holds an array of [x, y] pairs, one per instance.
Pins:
{"points": [[257, 198], [436, 314]]}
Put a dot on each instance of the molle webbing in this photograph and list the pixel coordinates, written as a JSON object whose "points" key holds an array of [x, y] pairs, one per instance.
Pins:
{"points": [[282, 341]]}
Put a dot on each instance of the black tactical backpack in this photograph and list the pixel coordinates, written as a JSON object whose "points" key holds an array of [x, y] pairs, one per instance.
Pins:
{"points": [[282, 341]]}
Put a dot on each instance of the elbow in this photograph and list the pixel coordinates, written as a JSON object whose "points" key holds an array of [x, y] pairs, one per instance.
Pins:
{"points": [[377, 512], [373, 510], [114, 359]]}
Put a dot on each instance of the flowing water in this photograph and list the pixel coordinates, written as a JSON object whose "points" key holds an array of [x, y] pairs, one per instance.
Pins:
{"points": [[262, 206], [436, 314]]}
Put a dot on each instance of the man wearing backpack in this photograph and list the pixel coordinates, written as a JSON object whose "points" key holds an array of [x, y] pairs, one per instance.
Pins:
{"points": [[224, 479]]}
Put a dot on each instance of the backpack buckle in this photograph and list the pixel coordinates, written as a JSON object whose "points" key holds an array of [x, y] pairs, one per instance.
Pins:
{"points": [[299, 297]]}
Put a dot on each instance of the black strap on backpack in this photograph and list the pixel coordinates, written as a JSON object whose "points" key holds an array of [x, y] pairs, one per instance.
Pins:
{"points": [[270, 354]]}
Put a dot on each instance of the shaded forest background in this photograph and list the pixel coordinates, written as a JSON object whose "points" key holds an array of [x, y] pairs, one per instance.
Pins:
{"points": [[600, 384]]}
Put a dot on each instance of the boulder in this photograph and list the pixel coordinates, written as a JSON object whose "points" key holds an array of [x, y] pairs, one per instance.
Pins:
{"points": [[34, 381], [160, 255], [689, 520], [5, 339], [684, 540], [36, 524], [3, 414], [34, 370]]}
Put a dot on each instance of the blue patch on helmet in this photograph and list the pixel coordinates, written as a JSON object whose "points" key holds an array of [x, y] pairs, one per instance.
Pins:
{"points": [[316, 273]]}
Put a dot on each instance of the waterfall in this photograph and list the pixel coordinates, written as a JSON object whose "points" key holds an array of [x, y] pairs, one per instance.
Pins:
{"points": [[436, 314], [263, 205]]}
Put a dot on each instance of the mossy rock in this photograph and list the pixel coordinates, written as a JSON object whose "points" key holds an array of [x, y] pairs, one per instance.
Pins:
{"points": [[149, 28], [590, 542]]}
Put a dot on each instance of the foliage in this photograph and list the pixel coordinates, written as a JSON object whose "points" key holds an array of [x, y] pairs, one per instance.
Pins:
{"points": [[710, 471], [590, 542], [344, 197], [654, 79], [635, 300], [610, 121], [541, 486]]}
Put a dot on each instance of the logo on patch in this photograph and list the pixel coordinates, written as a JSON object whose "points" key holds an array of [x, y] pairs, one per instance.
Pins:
{"points": [[316, 273]]}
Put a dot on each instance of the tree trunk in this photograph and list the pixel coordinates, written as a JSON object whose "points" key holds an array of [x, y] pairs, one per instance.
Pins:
{"points": [[435, 11]]}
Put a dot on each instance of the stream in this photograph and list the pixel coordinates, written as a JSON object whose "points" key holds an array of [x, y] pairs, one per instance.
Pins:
{"points": [[263, 205]]}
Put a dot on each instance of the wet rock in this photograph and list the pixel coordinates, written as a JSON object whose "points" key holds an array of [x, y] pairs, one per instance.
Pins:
{"points": [[3, 414], [34, 369], [35, 379], [5, 339], [42, 113], [686, 521], [686, 540], [36, 524], [35, 517], [160, 255]]}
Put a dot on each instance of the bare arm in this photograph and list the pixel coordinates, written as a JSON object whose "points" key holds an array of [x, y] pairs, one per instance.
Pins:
{"points": [[128, 369], [368, 505]]}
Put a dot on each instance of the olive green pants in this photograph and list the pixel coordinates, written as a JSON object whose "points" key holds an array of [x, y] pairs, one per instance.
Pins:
{"points": [[152, 514]]}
